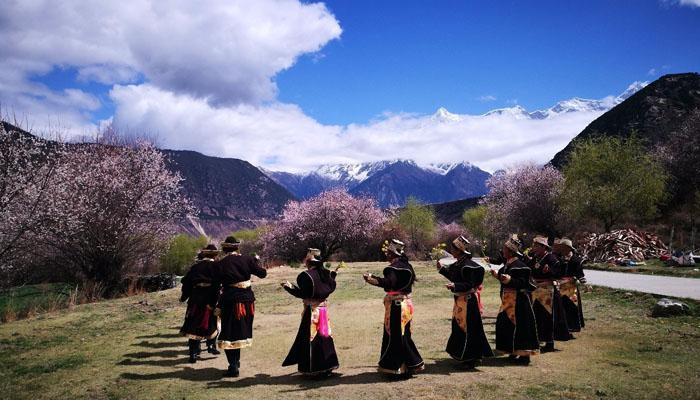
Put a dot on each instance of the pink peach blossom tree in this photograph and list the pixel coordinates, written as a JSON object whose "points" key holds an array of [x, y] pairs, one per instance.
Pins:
{"points": [[332, 221], [115, 205]]}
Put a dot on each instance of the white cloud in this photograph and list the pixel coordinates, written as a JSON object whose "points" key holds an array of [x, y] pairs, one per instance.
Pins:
{"points": [[200, 76], [652, 71], [224, 51], [281, 137], [692, 3], [486, 98]]}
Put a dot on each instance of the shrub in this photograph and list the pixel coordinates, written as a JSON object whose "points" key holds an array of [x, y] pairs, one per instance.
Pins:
{"points": [[418, 221], [181, 253]]}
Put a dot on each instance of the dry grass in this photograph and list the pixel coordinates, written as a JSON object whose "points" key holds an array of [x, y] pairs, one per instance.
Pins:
{"points": [[129, 348]]}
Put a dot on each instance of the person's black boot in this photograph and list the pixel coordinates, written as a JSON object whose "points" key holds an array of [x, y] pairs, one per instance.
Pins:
{"points": [[512, 358], [194, 350], [232, 372], [234, 363], [523, 360], [211, 347], [547, 347]]}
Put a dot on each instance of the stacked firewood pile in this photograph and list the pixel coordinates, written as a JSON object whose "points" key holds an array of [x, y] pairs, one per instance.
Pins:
{"points": [[621, 246]]}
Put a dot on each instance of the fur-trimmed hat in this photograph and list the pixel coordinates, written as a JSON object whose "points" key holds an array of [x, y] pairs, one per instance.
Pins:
{"points": [[513, 244], [210, 250], [462, 244], [230, 242], [311, 253], [544, 241], [565, 241], [315, 259], [394, 246]]}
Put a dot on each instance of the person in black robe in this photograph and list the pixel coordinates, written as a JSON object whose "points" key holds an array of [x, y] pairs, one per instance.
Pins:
{"points": [[571, 272], [468, 342], [201, 293], [315, 354], [516, 330], [399, 354], [546, 299], [236, 303]]}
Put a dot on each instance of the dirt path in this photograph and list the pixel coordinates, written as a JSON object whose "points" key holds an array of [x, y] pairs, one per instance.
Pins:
{"points": [[664, 285]]}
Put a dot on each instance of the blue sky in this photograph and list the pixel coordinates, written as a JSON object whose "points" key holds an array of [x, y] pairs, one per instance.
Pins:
{"points": [[347, 81], [417, 56]]}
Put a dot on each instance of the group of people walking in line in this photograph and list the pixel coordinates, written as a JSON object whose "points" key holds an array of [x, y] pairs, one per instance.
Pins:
{"points": [[540, 304]]}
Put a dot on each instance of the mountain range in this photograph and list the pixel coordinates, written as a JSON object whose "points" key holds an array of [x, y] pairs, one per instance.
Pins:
{"points": [[391, 183], [232, 194], [567, 106], [652, 112]]}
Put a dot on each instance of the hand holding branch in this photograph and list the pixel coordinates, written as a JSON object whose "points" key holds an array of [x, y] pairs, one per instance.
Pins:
{"points": [[369, 278]]}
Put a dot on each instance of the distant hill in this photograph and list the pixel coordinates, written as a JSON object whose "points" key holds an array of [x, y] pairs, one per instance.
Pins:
{"points": [[654, 112], [391, 183], [230, 194], [452, 211]]}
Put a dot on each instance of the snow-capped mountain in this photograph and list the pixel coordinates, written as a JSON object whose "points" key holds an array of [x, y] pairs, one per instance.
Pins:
{"points": [[442, 115], [390, 182], [573, 105]]}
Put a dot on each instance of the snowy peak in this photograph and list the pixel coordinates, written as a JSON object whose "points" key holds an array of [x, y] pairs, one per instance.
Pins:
{"points": [[632, 89], [575, 104], [442, 115], [351, 172], [390, 182], [517, 112], [445, 168]]}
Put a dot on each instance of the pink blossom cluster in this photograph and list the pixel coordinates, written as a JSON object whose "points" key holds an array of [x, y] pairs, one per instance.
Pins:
{"points": [[27, 170], [331, 221], [92, 211], [523, 199]]}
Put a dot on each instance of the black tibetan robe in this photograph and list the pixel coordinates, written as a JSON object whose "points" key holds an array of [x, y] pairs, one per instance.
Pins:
{"points": [[467, 341], [313, 350], [572, 271], [546, 299], [201, 293], [237, 302], [398, 353], [516, 329]]}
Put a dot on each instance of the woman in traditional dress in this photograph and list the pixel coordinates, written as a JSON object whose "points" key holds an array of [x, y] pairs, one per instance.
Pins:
{"points": [[571, 271], [399, 354], [237, 302], [468, 342], [201, 293], [314, 354], [516, 331], [546, 299]]}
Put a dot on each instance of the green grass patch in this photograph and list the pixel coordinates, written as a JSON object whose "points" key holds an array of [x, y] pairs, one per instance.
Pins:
{"points": [[130, 348], [27, 301], [69, 362]]}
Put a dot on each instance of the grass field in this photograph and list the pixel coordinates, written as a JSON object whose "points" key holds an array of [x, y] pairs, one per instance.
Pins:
{"points": [[129, 348], [21, 302], [652, 267]]}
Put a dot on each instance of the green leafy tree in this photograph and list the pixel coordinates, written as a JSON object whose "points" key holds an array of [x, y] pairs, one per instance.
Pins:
{"points": [[418, 221], [181, 253], [250, 239], [680, 155], [610, 178], [474, 219]]}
